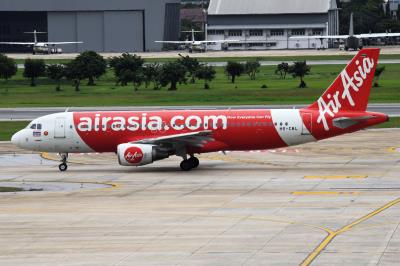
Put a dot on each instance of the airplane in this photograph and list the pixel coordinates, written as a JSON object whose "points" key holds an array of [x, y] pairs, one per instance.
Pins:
{"points": [[351, 41], [193, 45], [141, 138], [41, 47]]}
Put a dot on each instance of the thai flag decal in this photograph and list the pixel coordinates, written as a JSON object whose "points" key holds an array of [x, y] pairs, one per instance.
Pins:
{"points": [[37, 133]]}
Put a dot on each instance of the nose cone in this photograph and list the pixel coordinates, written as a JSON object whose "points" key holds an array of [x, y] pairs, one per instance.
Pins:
{"points": [[16, 138]]}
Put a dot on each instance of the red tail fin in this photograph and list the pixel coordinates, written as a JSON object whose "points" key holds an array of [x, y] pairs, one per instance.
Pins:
{"points": [[351, 89]]}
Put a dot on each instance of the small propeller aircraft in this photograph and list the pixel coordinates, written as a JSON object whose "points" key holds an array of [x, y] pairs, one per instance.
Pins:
{"points": [[41, 47], [351, 41], [193, 45]]}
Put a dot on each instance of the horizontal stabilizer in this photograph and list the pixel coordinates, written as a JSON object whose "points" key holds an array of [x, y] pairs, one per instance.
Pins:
{"points": [[346, 122]]}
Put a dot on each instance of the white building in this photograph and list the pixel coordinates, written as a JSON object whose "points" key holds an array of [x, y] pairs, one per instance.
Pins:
{"points": [[268, 24]]}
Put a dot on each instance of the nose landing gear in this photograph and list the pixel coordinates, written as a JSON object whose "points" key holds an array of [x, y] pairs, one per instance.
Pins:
{"points": [[63, 166], [189, 164]]}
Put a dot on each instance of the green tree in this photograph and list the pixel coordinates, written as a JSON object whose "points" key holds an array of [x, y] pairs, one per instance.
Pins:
{"points": [[252, 68], [73, 72], [8, 67], [388, 24], [378, 73], [57, 73], [34, 68], [207, 73], [121, 65], [367, 15], [282, 70], [300, 70], [234, 69], [92, 65], [151, 74], [191, 64], [172, 73], [128, 76]]}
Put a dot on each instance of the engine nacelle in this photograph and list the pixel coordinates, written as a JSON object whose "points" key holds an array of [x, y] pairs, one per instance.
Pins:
{"points": [[140, 154]]}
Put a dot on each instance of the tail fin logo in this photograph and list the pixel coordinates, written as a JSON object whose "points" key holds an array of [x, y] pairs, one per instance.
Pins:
{"points": [[333, 104]]}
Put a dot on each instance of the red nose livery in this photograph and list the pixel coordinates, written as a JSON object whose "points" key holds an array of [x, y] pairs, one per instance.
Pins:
{"points": [[140, 138]]}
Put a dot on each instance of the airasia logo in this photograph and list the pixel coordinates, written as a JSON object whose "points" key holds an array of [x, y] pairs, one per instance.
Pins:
{"points": [[351, 85], [133, 155]]}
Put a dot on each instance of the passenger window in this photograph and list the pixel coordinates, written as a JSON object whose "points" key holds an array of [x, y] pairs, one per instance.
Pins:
{"points": [[39, 126], [33, 126]]}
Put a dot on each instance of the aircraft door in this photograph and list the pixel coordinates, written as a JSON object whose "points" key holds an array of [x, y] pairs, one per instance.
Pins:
{"points": [[59, 129], [307, 126]]}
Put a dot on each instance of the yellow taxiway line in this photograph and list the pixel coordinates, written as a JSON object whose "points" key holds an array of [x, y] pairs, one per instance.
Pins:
{"points": [[46, 156], [393, 149], [344, 229]]}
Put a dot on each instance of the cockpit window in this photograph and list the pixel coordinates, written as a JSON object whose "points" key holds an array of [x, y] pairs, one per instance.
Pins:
{"points": [[33, 126], [39, 126]]}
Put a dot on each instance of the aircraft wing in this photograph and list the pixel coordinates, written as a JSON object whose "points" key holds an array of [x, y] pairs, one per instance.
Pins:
{"points": [[360, 36], [194, 139], [377, 35], [18, 43], [220, 41], [175, 42], [61, 43], [321, 37], [201, 42]]}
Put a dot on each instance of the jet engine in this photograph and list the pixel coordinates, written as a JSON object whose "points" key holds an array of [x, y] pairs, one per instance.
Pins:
{"points": [[140, 154]]}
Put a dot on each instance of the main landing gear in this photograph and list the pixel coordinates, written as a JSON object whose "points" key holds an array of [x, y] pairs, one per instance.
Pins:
{"points": [[189, 164], [63, 166]]}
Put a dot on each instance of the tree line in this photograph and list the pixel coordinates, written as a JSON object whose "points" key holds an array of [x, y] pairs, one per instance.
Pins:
{"points": [[131, 69], [369, 16]]}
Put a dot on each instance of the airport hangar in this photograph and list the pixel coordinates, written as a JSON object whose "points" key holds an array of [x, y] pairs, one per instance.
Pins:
{"points": [[103, 25], [260, 24]]}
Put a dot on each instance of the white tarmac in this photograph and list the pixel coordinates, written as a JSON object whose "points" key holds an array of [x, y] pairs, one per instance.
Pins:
{"points": [[336, 202]]}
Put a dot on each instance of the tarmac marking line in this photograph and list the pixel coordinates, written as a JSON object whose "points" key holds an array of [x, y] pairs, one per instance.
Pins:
{"points": [[317, 251], [46, 156], [393, 149], [111, 185], [322, 193], [335, 176]]}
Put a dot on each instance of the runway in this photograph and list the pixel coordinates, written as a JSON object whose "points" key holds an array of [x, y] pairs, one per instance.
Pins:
{"points": [[335, 202], [28, 114]]}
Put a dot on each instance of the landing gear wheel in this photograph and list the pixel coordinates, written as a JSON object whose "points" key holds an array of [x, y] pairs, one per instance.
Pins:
{"points": [[63, 167], [195, 162], [186, 165]]}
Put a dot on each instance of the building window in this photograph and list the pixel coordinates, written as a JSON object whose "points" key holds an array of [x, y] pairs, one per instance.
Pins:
{"points": [[256, 44], [216, 32], [256, 33], [298, 32], [235, 45], [317, 32], [235, 33], [277, 33], [271, 44]]}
